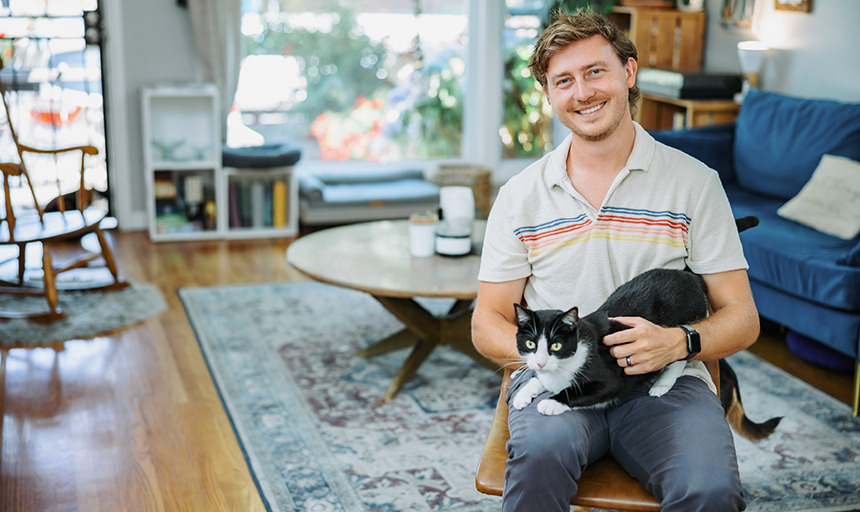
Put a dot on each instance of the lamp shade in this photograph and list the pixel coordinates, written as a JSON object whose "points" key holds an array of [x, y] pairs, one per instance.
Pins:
{"points": [[751, 55]]}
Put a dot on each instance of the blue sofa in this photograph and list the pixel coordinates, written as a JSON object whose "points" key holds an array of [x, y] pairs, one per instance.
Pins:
{"points": [[801, 278]]}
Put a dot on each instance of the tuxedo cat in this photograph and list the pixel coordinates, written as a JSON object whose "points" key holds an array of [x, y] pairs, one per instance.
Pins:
{"points": [[575, 372], [567, 353]]}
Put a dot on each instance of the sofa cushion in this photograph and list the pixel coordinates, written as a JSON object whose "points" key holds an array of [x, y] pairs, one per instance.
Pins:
{"points": [[266, 156], [830, 200], [779, 140], [793, 258], [361, 187]]}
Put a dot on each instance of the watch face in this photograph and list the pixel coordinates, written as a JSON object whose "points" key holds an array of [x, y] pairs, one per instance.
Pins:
{"points": [[694, 342]]}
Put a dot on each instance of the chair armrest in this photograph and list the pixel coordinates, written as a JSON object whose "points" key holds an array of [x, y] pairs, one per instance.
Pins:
{"points": [[11, 169], [89, 150], [713, 145], [490, 475], [310, 186], [714, 369]]}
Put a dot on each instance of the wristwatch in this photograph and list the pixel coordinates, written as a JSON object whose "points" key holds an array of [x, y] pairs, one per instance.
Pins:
{"points": [[694, 341]]}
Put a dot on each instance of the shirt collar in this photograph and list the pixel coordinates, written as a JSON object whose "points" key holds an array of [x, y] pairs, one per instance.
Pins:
{"points": [[639, 160]]}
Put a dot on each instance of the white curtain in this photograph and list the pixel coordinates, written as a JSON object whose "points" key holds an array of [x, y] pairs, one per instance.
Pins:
{"points": [[217, 36]]}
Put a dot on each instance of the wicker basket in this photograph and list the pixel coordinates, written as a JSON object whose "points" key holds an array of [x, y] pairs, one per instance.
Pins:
{"points": [[466, 175]]}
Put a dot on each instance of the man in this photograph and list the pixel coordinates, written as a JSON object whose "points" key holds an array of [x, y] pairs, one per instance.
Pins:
{"points": [[606, 205]]}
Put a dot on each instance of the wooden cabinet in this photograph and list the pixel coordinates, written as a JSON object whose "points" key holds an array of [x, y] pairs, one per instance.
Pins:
{"points": [[673, 40], [664, 38]]}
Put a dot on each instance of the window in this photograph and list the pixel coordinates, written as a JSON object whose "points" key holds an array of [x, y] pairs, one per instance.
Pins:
{"points": [[526, 129], [368, 80], [51, 50]]}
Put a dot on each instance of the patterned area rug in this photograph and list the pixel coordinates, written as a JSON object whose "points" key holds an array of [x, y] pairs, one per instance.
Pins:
{"points": [[89, 314], [316, 438]]}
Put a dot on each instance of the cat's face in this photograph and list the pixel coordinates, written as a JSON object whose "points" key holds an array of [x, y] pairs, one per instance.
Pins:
{"points": [[546, 339]]}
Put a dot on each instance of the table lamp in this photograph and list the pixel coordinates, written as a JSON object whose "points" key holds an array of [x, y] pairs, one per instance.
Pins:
{"points": [[751, 55]]}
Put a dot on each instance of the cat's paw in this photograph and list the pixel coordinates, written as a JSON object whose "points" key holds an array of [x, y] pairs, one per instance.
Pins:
{"points": [[550, 407], [521, 399], [659, 389]]}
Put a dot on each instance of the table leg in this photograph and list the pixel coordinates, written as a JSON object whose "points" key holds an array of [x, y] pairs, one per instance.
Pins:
{"points": [[452, 329], [396, 341]]}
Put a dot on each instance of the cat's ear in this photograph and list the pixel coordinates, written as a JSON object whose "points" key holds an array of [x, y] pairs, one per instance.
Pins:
{"points": [[570, 318], [524, 315]]}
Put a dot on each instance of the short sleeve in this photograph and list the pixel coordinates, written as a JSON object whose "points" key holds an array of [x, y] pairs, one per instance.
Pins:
{"points": [[504, 256], [714, 245]]}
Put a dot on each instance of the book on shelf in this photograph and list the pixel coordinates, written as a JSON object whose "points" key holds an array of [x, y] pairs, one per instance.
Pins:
{"points": [[257, 204], [279, 203]]}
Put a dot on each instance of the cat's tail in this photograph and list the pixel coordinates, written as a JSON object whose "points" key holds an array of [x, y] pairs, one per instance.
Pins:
{"points": [[730, 397], [744, 223]]}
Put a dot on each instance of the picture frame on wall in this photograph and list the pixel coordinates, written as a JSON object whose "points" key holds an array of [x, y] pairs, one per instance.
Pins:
{"points": [[737, 13], [793, 5]]}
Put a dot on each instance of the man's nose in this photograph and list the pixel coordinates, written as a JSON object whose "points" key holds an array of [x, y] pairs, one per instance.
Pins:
{"points": [[582, 91]]}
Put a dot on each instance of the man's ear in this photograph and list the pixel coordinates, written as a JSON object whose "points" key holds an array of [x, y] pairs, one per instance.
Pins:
{"points": [[631, 68], [547, 95]]}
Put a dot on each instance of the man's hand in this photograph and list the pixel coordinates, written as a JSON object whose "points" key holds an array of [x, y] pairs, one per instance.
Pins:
{"points": [[647, 346]]}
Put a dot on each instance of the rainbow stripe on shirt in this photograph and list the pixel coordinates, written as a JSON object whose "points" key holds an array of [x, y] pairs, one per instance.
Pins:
{"points": [[612, 223]]}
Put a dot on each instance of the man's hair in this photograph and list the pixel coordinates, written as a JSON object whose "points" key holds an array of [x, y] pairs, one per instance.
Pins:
{"points": [[566, 29]]}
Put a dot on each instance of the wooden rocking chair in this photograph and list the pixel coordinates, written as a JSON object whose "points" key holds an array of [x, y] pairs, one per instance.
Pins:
{"points": [[50, 228], [604, 484]]}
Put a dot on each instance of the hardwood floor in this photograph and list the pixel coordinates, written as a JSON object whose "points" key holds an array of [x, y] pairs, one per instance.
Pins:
{"points": [[131, 421]]}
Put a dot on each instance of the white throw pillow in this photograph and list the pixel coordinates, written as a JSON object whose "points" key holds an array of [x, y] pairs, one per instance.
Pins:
{"points": [[830, 200]]}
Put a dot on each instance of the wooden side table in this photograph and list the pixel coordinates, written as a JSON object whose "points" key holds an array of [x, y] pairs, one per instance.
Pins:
{"points": [[659, 112]]}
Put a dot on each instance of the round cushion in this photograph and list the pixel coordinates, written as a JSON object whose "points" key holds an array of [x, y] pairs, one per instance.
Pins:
{"points": [[818, 354], [255, 157]]}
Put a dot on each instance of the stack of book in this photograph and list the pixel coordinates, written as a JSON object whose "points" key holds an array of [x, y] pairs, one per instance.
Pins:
{"points": [[689, 85], [258, 204]]}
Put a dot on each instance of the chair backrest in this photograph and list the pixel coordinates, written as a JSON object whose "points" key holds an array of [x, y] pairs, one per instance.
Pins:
{"points": [[83, 195]]}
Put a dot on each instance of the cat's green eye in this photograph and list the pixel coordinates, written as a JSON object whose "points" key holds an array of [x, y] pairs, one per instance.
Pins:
{"points": [[555, 347], [530, 345]]}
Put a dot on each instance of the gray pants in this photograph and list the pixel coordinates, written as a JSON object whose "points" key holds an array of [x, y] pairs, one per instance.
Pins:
{"points": [[679, 446]]}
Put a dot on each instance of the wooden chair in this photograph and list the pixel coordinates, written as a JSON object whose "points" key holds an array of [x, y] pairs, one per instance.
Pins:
{"points": [[50, 228], [604, 484]]}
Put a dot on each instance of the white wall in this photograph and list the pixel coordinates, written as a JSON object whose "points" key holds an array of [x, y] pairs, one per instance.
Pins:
{"points": [[147, 42], [811, 55]]}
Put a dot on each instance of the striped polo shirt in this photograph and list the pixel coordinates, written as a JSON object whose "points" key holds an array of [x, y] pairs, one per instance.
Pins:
{"points": [[665, 209]]}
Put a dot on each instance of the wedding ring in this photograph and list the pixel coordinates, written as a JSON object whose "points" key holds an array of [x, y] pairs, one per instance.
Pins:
{"points": [[628, 361]]}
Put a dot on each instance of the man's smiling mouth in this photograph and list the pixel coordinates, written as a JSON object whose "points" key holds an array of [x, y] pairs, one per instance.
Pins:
{"points": [[591, 110]]}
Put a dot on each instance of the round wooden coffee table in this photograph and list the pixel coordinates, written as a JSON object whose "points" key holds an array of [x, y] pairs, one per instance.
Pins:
{"points": [[374, 257]]}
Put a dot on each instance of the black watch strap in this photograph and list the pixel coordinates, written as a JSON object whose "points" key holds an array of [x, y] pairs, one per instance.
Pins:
{"points": [[694, 341]]}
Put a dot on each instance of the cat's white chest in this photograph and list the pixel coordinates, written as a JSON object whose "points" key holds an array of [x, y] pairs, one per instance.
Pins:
{"points": [[564, 373]]}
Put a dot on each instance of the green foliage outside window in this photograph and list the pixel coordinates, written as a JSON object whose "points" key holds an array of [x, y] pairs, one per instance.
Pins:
{"points": [[526, 130], [362, 100]]}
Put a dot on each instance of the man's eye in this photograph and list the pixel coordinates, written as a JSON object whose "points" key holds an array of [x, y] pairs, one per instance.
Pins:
{"points": [[563, 81], [530, 344], [555, 347]]}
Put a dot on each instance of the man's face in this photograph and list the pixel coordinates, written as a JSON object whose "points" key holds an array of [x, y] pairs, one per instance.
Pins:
{"points": [[587, 87]]}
